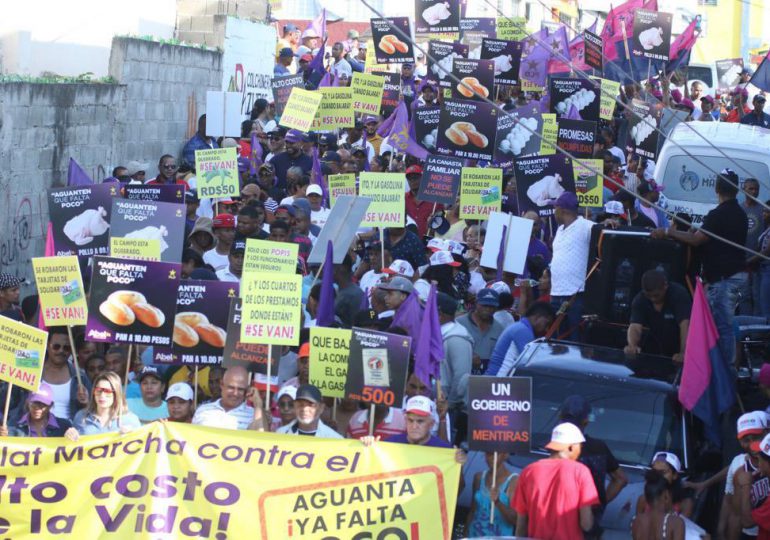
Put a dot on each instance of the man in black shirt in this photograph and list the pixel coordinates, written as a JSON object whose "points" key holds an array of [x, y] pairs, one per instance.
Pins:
{"points": [[633, 217], [664, 309], [724, 265]]}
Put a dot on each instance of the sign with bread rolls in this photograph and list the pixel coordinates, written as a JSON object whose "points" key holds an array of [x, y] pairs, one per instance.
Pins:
{"points": [[652, 34], [159, 222], [472, 79], [517, 134], [132, 301], [392, 40], [467, 130], [80, 219]]}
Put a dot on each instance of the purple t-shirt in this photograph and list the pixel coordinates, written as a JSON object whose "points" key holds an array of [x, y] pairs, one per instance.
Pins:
{"points": [[433, 441]]}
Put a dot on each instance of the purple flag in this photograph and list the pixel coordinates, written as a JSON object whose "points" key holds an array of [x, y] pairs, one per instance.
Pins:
{"points": [[534, 67], [318, 24], [317, 63], [256, 155], [76, 176], [326, 80], [572, 113], [367, 165], [429, 351], [325, 315], [501, 255], [317, 177], [398, 136], [386, 124], [409, 315]]}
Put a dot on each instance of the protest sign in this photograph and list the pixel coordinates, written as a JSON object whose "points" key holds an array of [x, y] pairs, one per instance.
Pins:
{"points": [[550, 135], [518, 233], [391, 92], [436, 17], [642, 138], [282, 87], [576, 137], [425, 121], [593, 55], [272, 305], [473, 31], [135, 248], [440, 180], [371, 61], [608, 90], [201, 322], [300, 109], [223, 114], [328, 362], [512, 28], [340, 228], [172, 193], [441, 56], [150, 220], [652, 34], [341, 184], [506, 56], [175, 480], [251, 356], [377, 367], [589, 184], [500, 414], [80, 218], [480, 192], [22, 353], [388, 199], [517, 134], [579, 93], [367, 93], [60, 287], [540, 180], [467, 130], [267, 256], [216, 173], [132, 301], [335, 110], [392, 40], [475, 77], [728, 74]]}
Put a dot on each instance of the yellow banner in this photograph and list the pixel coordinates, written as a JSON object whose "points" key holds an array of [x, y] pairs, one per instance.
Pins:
{"points": [[480, 192], [335, 110], [328, 362], [216, 173], [300, 109], [181, 481], [388, 206], [341, 184], [60, 286], [550, 134], [22, 353], [135, 248], [271, 308]]}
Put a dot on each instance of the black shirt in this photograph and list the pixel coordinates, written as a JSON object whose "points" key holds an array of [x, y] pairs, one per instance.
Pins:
{"points": [[663, 337], [720, 260], [643, 221], [597, 456]]}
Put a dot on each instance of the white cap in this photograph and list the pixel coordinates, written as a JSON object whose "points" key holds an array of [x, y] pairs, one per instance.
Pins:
{"points": [[423, 289], [287, 390], [314, 189], [443, 257], [614, 207], [419, 405], [669, 458], [180, 390], [500, 286], [751, 423], [400, 267], [565, 435], [763, 446], [229, 143], [437, 244], [455, 248]]}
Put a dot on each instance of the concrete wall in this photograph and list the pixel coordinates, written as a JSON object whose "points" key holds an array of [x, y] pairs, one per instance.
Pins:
{"points": [[203, 21]]}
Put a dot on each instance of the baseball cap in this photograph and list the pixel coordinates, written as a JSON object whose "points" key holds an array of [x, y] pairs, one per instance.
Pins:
{"points": [[414, 169], [304, 350], [359, 150], [565, 435], [615, 207], [443, 257], [747, 71], [500, 286], [288, 390], [370, 120], [437, 244], [286, 52], [306, 58], [148, 371], [180, 390], [310, 393], [238, 245], [191, 196], [224, 221], [731, 176], [764, 375], [289, 27], [740, 90], [676, 95], [446, 304], [327, 139], [762, 446], [398, 283], [314, 189], [293, 136], [669, 458], [488, 297], [366, 318], [648, 187], [567, 201], [687, 104], [399, 267], [133, 167], [43, 395], [419, 405], [751, 423], [353, 33], [331, 155], [289, 208], [575, 409], [455, 248], [8, 281], [310, 33]]}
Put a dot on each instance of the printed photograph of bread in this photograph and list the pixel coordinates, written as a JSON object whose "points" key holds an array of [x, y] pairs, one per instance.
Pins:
{"points": [[470, 86], [190, 327], [463, 133], [123, 308], [390, 44]]}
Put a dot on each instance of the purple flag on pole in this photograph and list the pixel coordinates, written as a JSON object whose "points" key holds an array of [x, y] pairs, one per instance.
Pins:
{"points": [[76, 176], [409, 315], [367, 165], [325, 315], [326, 80], [398, 136], [501, 255], [429, 351], [317, 63], [318, 24], [572, 113], [318, 178]]}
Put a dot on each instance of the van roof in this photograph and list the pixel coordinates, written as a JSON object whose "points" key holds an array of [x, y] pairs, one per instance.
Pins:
{"points": [[722, 135]]}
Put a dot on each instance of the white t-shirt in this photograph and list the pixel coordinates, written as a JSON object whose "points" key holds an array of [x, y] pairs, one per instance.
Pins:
{"points": [[226, 275], [319, 217], [217, 261], [369, 280], [736, 464], [61, 399], [570, 257]]}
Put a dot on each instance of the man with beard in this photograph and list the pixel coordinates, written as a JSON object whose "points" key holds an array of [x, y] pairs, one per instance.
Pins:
{"points": [[308, 407], [291, 157]]}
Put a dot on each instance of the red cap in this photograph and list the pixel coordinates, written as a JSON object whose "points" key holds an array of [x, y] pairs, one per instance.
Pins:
{"points": [[414, 169], [306, 58], [224, 221], [304, 351]]}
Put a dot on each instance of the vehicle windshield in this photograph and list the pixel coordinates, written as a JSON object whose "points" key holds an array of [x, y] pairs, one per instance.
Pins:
{"points": [[634, 423], [687, 180], [702, 73]]}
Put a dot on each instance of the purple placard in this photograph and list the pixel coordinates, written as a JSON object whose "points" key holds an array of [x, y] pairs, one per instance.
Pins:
{"points": [[473, 31], [506, 56], [426, 121], [392, 40], [252, 356], [583, 94], [478, 75], [391, 92], [540, 180], [500, 414], [652, 34], [80, 218], [151, 220], [477, 121], [642, 137], [132, 301], [282, 87], [172, 193], [576, 137], [377, 367], [440, 63], [514, 138], [440, 180], [593, 54], [436, 16]]}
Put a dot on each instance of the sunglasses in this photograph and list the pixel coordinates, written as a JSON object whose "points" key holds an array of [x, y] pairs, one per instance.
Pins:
{"points": [[170, 167], [99, 391], [58, 347], [285, 404]]}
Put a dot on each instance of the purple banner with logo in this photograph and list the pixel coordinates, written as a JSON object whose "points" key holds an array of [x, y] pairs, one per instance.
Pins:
{"points": [[500, 414], [377, 367]]}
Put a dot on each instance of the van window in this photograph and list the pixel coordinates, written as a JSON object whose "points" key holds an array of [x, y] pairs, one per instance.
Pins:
{"points": [[687, 180], [702, 73]]}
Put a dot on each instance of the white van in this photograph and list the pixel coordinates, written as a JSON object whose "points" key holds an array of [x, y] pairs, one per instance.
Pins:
{"points": [[689, 184]]}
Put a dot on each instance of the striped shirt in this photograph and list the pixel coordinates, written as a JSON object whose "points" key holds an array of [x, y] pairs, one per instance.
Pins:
{"points": [[243, 414]]}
